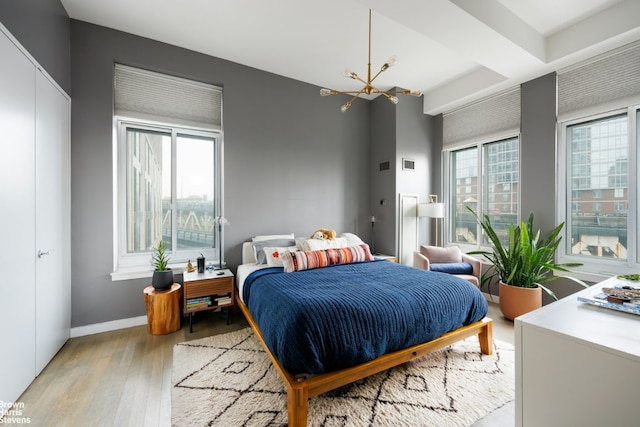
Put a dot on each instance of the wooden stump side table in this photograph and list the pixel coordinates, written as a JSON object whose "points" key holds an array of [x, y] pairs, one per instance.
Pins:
{"points": [[163, 309]]}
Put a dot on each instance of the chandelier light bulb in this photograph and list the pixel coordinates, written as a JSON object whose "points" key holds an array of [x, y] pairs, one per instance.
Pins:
{"points": [[345, 107], [415, 93], [392, 61], [325, 92], [349, 74], [393, 99]]}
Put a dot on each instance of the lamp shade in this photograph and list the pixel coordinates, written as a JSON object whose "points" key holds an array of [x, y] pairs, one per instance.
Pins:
{"points": [[431, 210]]}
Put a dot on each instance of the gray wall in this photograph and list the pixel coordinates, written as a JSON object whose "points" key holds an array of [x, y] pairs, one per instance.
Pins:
{"points": [[415, 140], [293, 162], [383, 183], [538, 167], [42, 27], [538, 150], [397, 132]]}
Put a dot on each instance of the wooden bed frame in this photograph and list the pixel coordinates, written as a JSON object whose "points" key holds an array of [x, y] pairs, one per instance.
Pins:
{"points": [[299, 390]]}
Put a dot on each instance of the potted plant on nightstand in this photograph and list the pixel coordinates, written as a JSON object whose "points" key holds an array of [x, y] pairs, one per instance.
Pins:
{"points": [[522, 266], [162, 278]]}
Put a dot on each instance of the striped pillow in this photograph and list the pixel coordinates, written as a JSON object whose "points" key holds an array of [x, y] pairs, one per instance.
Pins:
{"points": [[306, 260]]}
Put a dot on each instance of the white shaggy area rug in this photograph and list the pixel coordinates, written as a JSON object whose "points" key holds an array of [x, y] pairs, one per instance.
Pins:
{"points": [[227, 380]]}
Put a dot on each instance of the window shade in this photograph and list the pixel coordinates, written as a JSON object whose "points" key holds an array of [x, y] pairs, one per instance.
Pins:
{"points": [[495, 115], [147, 95], [607, 81]]}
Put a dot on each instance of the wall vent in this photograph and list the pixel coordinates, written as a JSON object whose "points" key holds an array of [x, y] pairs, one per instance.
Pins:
{"points": [[384, 166], [408, 164]]}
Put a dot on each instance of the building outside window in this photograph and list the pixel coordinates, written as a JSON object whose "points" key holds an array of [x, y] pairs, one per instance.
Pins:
{"points": [[598, 152], [494, 191], [170, 192], [149, 196]]}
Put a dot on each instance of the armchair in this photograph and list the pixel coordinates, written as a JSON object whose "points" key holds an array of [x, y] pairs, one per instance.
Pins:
{"points": [[448, 260]]}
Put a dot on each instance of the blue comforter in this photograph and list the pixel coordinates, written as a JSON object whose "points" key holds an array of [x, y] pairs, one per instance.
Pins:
{"points": [[335, 317]]}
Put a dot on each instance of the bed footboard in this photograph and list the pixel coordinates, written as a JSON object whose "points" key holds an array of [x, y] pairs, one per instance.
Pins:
{"points": [[299, 390]]}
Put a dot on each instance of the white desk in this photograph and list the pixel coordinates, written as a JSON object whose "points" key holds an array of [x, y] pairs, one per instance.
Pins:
{"points": [[577, 365]]}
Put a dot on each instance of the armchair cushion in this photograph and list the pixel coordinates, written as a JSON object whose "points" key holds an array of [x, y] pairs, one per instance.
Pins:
{"points": [[452, 267], [439, 255], [449, 260]]}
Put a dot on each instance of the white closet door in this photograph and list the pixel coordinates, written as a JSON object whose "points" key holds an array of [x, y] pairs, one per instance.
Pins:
{"points": [[17, 250], [53, 289]]}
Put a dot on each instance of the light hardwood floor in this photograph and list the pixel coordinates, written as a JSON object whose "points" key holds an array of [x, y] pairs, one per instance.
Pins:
{"points": [[502, 330], [123, 378]]}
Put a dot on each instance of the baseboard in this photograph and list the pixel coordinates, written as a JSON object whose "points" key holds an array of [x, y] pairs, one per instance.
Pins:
{"points": [[491, 298], [113, 325]]}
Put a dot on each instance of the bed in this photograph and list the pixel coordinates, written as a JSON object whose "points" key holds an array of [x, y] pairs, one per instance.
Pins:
{"points": [[326, 327]]}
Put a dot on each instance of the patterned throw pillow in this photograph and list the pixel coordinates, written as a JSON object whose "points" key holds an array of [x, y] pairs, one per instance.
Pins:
{"points": [[274, 254], [258, 247], [307, 260]]}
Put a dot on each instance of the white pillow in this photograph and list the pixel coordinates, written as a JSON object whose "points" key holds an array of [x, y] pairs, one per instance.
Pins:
{"points": [[259, 245], [274, 254], [352, 239], [300, 243], [319, 244], [272, 237]]}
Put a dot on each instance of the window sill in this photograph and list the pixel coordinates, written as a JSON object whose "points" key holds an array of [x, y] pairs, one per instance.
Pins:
{"points": [[141, 273], [588, 276]]}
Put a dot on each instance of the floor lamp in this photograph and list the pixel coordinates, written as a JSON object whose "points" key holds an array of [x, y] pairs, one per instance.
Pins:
{"points": [[221, 221], [433, 209]]}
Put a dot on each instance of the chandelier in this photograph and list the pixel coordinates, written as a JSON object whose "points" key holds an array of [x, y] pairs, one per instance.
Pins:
{"points": [[368, 88]]}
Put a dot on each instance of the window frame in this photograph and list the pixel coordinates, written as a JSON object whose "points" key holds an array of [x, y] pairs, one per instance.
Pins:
{"points": [[598, 268], [450, 184], [131, 266]]}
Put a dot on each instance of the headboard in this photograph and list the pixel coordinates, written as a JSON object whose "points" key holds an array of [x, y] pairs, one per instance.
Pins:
{"points": [[248, 257]]}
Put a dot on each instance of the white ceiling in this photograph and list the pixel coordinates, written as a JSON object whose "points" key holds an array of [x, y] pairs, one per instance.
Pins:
{"points": [[455, 51]]}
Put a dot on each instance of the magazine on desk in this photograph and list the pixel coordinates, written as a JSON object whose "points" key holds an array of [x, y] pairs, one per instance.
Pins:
{"points": [[621, 293]]}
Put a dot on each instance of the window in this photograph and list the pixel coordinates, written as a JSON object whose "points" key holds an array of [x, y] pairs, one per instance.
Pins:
{"points": [[168, 191], [600, 152], [597, 158], [481, 164], [168, 172], [492, 169]]}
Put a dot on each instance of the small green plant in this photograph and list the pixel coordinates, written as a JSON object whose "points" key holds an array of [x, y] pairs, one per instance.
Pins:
{"points": [[160, 258], [526, 260]]}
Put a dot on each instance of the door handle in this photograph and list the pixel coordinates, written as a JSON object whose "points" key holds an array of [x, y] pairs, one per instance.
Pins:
{"points": [[42, 253]]}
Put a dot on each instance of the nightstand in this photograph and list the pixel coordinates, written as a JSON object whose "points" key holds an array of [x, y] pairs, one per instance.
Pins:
{"points": [[390, 258], [208, 291]]}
